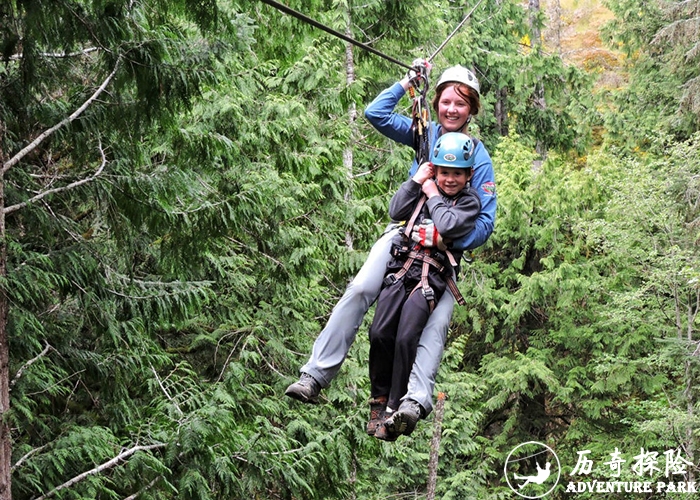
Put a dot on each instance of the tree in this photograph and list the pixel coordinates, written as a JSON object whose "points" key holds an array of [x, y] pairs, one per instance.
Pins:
{"points": [[176, 234], [661, 59], [83, 87]]}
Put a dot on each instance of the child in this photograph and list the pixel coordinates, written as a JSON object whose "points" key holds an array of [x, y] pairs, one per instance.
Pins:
{"points": [[440, 206]]}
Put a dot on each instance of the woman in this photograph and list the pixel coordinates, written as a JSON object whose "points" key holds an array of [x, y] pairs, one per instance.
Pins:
{"points": [[456, 101]]}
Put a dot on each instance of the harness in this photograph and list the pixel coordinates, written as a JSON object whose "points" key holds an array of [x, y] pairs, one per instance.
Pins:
{"points": [[423, 254]]}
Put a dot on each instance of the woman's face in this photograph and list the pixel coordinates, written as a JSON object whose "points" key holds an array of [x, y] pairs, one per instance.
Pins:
{"points": [[453, 110]]}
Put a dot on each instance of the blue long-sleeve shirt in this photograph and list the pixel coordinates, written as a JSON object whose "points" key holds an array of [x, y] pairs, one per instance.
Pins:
{"points": [[397, 127]]}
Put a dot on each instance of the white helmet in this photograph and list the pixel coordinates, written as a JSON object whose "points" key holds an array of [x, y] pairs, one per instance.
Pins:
{"points": [[460, 74]]}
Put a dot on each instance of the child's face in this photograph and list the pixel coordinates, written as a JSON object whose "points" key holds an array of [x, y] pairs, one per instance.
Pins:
{"points": [[452, 180]]}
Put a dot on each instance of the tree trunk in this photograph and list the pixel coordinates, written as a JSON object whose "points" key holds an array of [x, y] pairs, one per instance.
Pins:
{"points": [[5, 437], [435, 446], [538, 93], [348, 164], [690, 363], [352, 117], [555, 25], [502, 111]]}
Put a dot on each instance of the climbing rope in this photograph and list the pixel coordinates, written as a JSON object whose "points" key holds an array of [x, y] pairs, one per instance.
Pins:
{"points": [[422, 129], [454, 32], [333, 32]]}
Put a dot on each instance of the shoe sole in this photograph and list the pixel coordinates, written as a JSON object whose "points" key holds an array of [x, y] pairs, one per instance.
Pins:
{"points": [[386, 435], [301, 397], [399, 424], [373, 425]]}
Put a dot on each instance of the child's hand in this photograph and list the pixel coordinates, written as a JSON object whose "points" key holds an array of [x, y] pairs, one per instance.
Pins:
{"points": [[430, 188], [425, 172]]}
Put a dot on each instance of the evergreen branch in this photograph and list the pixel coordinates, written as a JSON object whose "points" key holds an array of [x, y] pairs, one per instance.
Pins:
{"points": [[129, 279], [280, 264], [284, 452], [107, 465], [48, 132], [203, 206], [57, 383], [44, 194], [28, 364]]}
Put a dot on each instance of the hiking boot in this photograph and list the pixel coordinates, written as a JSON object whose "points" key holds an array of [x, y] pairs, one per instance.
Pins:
{"points": [[384, 433], [306, 389], [404, 420], [377, 407]]}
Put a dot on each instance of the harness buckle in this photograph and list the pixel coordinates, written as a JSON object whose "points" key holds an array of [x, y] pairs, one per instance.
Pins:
{"points": [[429, 294], [390, 279]]}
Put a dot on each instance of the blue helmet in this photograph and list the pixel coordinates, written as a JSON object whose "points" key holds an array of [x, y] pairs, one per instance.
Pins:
{"points": [[454, 150]]}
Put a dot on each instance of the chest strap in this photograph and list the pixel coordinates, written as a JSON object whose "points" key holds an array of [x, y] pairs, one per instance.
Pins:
{"points": [[423, 255]]}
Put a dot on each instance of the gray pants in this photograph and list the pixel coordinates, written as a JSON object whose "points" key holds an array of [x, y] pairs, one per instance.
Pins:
{"points": [[333, 343]]}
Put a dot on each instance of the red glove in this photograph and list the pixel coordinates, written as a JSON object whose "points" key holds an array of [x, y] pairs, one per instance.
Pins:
{"points": [[427, 235]]}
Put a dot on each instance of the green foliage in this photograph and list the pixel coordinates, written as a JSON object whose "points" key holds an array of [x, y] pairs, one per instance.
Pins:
{"points": [[661, 58], [159, 309]]}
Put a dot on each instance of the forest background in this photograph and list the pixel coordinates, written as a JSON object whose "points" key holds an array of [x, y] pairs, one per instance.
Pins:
{"points": [[188, 185]]}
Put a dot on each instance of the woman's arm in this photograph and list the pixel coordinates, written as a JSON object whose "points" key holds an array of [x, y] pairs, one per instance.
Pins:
{"points": [[380, 113], [484, 182]]}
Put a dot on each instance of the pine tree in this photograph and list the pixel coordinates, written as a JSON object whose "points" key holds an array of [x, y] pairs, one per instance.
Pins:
{"points": [[659, 40], [89, 90]]}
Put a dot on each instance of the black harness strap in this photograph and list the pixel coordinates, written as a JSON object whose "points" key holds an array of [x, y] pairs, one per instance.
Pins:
{"points": [[420, 253], [423, 255]]}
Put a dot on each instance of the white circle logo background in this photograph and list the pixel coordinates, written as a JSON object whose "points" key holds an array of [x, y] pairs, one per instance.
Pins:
{"points": [[545, 450]]}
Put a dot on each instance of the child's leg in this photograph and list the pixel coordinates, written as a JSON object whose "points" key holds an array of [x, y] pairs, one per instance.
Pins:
{"points": [[414, 316], [429, 354], [382, 337]]}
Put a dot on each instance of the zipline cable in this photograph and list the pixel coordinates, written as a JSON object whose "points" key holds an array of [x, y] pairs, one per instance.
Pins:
{"points": [[454, 32], [312, 22]]}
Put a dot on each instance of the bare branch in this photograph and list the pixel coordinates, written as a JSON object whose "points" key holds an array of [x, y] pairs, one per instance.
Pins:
{"points": [[48, 132], [681, 29], [28, 364], [146, 488], [59, 55], [110, 463], [26, 456], [44, 194], [165, 391]]}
